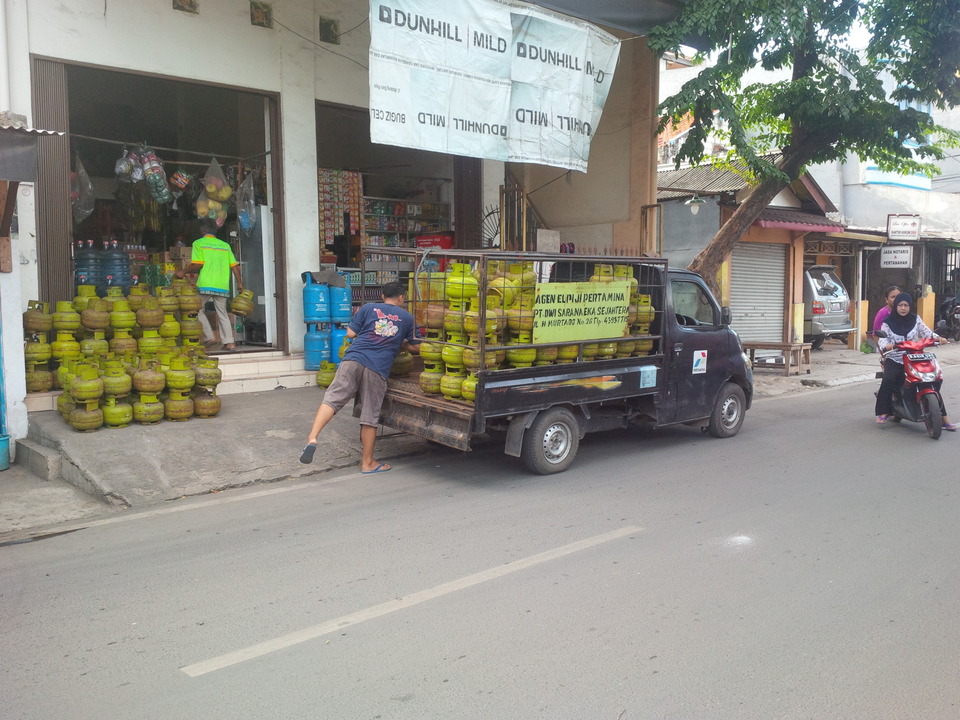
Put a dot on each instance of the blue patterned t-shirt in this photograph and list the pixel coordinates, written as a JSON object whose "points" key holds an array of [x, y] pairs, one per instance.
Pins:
{"points": [[381, 329]]}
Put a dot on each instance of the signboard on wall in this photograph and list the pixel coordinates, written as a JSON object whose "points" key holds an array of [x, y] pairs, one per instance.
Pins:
{"points": [[896, 256], [903, 227], [496, 79]]}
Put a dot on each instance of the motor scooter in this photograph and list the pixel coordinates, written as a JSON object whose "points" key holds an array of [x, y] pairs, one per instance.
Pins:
{"points": [[950, 317], [918, 398]]}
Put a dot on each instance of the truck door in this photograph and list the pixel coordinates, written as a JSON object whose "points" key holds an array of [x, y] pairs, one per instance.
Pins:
{"points": [[697, 349]]}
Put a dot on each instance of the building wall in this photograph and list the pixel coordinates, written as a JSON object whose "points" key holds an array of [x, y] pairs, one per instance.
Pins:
{"points": [[686, 234]]}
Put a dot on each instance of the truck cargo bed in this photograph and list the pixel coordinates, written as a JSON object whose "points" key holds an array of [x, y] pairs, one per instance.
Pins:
{"points": [[406, 407]]}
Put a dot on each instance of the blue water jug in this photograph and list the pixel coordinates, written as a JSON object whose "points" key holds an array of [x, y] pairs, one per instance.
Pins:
{"points": [[116, 267], [316, 346], [337, 336], [316, 300], [341, 302], [87, 265]]}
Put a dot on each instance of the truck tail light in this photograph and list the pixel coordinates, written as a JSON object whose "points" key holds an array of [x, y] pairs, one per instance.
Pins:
{"points": [[819, 308]]}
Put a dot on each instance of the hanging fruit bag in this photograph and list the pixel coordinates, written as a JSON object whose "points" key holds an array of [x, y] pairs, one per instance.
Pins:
{"points": [[81, 193]]}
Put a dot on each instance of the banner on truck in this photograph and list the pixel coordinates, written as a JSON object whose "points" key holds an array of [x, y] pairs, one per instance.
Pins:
{"points": [[566, 312], [496, 79]]}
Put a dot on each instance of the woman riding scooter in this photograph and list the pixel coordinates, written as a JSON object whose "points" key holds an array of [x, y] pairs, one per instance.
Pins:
{"points": [[902, 324]]}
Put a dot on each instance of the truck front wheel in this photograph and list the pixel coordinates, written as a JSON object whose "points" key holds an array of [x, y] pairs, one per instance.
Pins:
{"points": [[551, 442], [728, 411]]}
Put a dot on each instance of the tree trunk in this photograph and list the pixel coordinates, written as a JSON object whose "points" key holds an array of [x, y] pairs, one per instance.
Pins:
{"points": [[708, 261]]}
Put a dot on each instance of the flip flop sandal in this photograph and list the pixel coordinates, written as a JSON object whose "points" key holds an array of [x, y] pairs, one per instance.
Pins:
{"points": [[306, 457], [950, 427], [382, 467], [881, 419]]}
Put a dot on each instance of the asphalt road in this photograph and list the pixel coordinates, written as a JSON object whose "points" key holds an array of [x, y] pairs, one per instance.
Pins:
{"points": [[806, 568]]}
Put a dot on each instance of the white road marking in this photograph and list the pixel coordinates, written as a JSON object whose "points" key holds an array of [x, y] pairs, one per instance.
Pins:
{"points": [[376, 611]]}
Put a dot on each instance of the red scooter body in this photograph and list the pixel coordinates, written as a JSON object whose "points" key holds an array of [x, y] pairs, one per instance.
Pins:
{"points": [[918, 399]]}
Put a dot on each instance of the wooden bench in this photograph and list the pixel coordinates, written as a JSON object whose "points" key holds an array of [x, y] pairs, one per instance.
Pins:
{"points": [[794, 359]]}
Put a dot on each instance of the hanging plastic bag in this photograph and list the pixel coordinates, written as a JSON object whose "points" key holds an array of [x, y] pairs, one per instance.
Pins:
{"points": [[123, 167], [246, 205], [81, 194], [155, 176], [212, 209], [134, 157], [215, 183]]}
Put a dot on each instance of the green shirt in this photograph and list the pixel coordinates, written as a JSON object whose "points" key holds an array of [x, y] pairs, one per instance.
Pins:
{"points": [[217, 258]]}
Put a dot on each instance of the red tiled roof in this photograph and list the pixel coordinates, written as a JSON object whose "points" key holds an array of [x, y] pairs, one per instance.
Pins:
{"points": [[789, 219]]}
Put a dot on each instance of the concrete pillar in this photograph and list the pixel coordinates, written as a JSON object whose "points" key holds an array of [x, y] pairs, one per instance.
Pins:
{"points": [[629, 236]]}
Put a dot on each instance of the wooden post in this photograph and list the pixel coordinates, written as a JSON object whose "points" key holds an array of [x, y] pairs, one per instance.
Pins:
{"points": [[8, 204]]}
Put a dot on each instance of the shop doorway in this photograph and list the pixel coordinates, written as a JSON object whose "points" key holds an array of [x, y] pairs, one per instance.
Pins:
{"points": [[108, 113]]}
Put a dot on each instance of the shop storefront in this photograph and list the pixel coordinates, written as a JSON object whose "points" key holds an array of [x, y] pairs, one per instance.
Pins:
{"points": [[122, 128]]}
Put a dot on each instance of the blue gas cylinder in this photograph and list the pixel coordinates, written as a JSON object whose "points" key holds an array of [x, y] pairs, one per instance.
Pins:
{"points": [[341, 302], [316, 346], [316, 300], [337, 336]]}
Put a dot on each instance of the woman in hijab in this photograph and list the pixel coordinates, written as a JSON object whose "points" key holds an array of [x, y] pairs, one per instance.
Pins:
{"points": [[901, 324]]}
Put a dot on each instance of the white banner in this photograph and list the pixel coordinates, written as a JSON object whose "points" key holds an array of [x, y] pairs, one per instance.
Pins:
{"points": [[496, 79]]}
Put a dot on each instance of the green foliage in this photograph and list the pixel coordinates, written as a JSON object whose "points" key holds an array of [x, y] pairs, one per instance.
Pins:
{"points": [[827, 100]]}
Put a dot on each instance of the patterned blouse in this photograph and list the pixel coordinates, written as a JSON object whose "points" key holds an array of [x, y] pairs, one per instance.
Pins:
{"points": [[920, 330]]}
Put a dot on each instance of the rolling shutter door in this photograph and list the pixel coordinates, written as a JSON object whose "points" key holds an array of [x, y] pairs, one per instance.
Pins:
{"points": [[757, 291]]}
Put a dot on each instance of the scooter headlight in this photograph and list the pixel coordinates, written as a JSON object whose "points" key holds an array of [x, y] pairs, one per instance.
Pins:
{"points": [[927, 377]]}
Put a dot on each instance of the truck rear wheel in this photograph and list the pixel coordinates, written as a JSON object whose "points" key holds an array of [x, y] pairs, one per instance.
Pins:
{"points": [[728, 411], [551, 442]]}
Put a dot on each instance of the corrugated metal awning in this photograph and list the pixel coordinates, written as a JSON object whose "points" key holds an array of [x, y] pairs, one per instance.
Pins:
{"points": [[18, 152]]}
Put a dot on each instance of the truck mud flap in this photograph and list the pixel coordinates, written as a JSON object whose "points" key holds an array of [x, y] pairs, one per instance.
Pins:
{"points": [[440, 420]]}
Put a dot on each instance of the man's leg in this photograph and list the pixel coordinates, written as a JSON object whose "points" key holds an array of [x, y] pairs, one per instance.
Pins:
{"points": [[324, 414], [368, 439], [223, 322], [206, 332]]}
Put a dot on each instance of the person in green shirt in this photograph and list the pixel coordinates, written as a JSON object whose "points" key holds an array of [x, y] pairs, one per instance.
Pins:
{"points": [[215, 262]]}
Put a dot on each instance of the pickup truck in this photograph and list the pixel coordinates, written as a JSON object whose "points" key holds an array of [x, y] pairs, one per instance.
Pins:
{"points": [[684, 366]]}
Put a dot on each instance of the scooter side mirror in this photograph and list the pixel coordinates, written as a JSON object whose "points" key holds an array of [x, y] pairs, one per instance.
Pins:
{"points": [[879, 333]]}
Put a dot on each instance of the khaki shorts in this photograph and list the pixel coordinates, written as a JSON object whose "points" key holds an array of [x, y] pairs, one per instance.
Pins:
{"points": [[355, 382]]}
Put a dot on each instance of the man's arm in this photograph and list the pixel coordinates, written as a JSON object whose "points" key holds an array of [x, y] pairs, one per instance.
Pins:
{"points": [[191, 268], [236, 276]]}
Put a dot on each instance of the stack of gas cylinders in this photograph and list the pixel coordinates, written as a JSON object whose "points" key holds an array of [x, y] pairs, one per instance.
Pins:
{"points": [[122, 358], [326, 310]]}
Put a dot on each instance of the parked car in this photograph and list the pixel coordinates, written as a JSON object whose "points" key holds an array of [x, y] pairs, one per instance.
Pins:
{"points": [[826, 305]]}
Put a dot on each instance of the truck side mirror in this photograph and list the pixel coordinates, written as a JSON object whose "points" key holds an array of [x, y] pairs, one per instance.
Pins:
{"points": [[725, 316]]}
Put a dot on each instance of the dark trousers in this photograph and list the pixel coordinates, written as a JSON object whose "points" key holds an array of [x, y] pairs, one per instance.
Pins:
{"points": [[893, 379]]}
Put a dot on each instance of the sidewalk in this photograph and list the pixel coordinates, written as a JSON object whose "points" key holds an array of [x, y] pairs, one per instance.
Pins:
{"points": [[257, 438]]}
